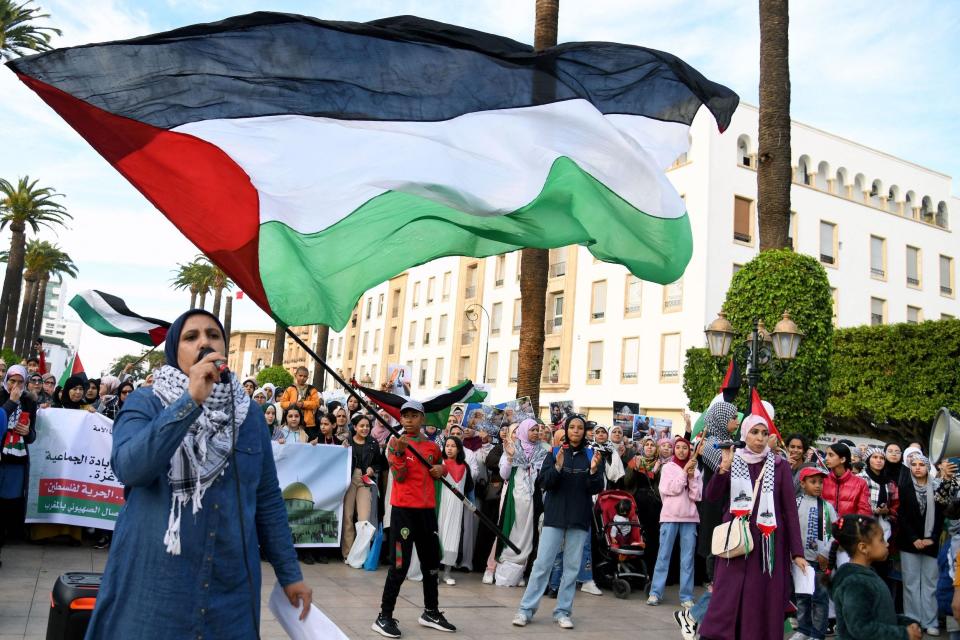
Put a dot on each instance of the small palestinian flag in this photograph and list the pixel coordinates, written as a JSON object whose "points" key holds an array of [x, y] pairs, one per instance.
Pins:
{"points": [[347, 153], [110, 316], [437, 408], [72, 369], [757, 408]]}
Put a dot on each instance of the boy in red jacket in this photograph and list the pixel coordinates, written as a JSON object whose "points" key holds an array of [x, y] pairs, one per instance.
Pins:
{"points": [[413, 521]]}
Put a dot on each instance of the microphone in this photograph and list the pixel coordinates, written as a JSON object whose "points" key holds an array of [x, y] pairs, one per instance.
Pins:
{"points": [[730, 444], [221, 365]]}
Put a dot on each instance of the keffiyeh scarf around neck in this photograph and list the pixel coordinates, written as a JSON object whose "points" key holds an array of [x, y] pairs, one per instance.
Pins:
{"points": [[202, 456], [13, 443], [741, 497]]}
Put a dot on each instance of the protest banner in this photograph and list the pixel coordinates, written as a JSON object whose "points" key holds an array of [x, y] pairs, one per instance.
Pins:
{"points": [[313, 480], [559, 410], [656, 428], [71, 481]]}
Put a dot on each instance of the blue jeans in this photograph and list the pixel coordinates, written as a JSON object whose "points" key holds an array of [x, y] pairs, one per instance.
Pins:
{"points": [[551, 540], [688, 542], [699, 610], [586, 567], [812, 610]]}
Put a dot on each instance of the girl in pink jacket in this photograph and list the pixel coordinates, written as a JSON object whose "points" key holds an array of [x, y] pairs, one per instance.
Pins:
{"points": [[681, 487]]}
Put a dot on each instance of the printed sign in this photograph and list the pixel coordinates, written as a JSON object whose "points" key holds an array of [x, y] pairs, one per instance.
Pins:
{"points": [[656, 428], [71, 481], [623, 413], [313, 480]]}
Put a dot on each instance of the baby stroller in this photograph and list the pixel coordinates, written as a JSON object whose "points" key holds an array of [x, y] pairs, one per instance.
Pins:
{"points": [[621, 545]]}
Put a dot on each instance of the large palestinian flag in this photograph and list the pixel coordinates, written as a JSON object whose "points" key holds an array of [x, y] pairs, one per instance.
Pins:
{"points": [[313, 160]]}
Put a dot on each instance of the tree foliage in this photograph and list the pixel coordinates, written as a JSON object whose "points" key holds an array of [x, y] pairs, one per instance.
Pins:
{"points": [[19, 33], [277, 376], [773, 282], [894, 378], [153, 361]]}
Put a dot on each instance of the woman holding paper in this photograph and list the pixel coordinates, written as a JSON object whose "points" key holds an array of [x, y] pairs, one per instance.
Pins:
{"points": [[751, 592], [201, 496]]}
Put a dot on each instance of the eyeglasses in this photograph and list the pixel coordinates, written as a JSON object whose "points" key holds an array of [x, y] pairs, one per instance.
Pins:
{"points": [[36, 380]]}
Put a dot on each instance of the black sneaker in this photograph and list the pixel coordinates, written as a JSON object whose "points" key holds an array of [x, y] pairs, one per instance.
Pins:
{"points": [[552, 593], [435, 620], [387, 627], [831, 628]]}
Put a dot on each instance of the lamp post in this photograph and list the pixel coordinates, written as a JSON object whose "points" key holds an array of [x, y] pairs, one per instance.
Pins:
{"points": [[472, 314], [759, 347]]}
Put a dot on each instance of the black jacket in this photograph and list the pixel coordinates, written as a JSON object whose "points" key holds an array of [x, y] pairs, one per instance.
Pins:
{"points": [[911, 522], [27, 406], [367, 455], [566, 501]]}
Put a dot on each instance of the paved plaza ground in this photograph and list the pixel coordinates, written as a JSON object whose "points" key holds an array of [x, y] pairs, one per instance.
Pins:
{"points": [[350, 598]]}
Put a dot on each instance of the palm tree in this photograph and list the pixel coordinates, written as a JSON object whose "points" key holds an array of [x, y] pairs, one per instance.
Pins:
{"points": [[18, 34], [279, 343], [58, 264], [227, 322], [21, 206], [320, 348], [218, 281], [33, 262], [189, 276], [534, 262], [774, 170]]}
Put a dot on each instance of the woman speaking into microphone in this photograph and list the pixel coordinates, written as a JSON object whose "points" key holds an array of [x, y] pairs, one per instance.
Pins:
{"points": [[202, 495]]}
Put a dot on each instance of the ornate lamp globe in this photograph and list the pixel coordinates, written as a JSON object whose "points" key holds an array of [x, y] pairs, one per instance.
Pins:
{"points": [[786, 338], [720, 335]]}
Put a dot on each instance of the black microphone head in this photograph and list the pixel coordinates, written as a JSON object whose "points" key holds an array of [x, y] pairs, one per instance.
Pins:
{"points": [[221, 365], [204, 353]]}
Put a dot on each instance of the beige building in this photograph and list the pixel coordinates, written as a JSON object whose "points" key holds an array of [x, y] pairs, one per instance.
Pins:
{"points": [[250, 351]]}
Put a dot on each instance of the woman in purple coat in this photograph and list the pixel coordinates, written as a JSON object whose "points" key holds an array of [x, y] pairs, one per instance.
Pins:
{"points": [[750, 593]]}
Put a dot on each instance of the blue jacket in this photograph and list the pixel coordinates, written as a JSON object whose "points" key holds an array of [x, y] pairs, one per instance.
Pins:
{"points": [[148, 593], [566, 502]]}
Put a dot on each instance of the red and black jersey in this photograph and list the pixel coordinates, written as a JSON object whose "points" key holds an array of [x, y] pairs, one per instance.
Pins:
{"points": [[412, 485]]}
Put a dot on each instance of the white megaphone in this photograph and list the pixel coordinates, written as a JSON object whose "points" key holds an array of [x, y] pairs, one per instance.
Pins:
{"points": [[945, 436]]}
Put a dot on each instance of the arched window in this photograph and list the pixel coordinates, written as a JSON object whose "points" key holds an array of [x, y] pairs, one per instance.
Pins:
{"points": [[893, 199], [876, 189], [841, 184], [926, 209], [859, 186], [744, 151], [803, 170], [909, 202], [942, 219], [823, 177]]}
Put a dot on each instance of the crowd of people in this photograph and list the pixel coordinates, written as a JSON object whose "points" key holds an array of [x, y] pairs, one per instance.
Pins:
{"points": [[878, 527]]}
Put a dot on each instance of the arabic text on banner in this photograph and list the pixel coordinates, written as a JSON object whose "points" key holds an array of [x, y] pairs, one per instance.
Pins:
{"points": [[71, 481]]}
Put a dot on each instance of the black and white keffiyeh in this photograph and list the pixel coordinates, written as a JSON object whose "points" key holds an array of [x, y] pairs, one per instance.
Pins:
{"points": [[716, 419], [741, 493], [204, 452]]}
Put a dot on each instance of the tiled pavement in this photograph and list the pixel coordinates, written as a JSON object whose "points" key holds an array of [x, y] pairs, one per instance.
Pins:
{"points": [[350, 598]]}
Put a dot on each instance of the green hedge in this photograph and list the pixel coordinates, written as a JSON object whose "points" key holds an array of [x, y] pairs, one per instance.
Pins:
{"points": [[764, 288], [894, 378], [277, 376]]}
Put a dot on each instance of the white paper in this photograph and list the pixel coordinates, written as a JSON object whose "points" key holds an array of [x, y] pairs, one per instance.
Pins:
{"points": [[317, 626], [803, 582]]}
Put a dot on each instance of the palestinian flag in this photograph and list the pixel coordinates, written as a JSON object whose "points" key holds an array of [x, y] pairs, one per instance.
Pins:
{"points": [[72, 369], [110, 316], [437, 408], [346, 153]]}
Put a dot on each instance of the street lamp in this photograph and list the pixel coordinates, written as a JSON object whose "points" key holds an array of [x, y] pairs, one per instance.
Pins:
{"points": [[758, 349], [472, 314]]}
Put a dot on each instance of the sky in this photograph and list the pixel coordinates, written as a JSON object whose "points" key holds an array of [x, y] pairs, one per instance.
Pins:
{"points": [[880, 72]]}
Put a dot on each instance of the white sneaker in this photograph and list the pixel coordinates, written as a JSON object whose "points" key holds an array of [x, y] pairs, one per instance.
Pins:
{"points": [[520, 620], [798, 636], [687, 605], [653, 601], [488, 577], [565, 622], [591, 587], [933, 631], [449, 582], [522, 583]]}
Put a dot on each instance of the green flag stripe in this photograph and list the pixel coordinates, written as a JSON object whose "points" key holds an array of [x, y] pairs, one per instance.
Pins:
{"points": [[396, 231], [98, 323]]}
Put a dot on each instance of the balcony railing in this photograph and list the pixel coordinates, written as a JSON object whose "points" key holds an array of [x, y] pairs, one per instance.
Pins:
{"points": [[593, 374], [629, 375], [558, 269], [876, 318], [470, 292], [827, 259], [633, 308], [672, 301], [948, 291], [742, 237], [913, 281], [669, 373], [880, 273], [467, 337], [498, 282], [598, 315], [552, 378], [552, 325]]}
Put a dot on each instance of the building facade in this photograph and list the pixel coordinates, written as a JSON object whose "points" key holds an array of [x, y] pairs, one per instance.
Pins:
{"points": [[250, 351], [52, 324], [880, 226]]}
